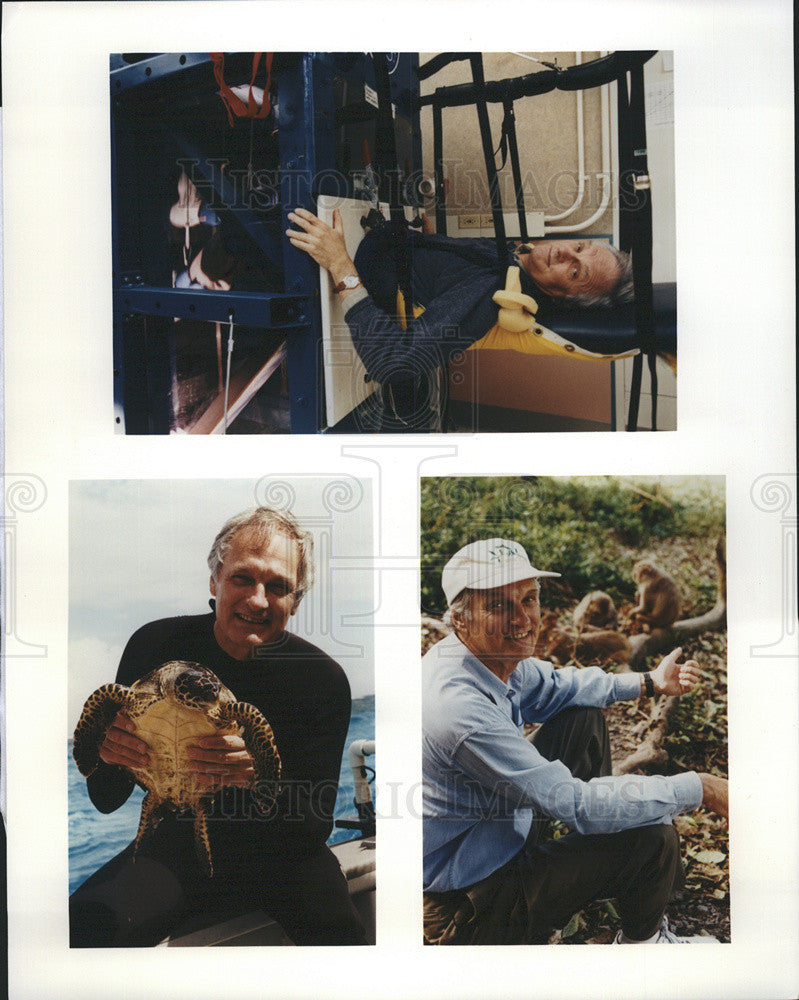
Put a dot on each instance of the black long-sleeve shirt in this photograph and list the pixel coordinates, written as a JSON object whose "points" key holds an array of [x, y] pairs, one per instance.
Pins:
{"points": [[304, 695]]}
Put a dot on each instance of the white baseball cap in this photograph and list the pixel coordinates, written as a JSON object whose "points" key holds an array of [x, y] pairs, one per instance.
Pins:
{"points": [[489, 563]]}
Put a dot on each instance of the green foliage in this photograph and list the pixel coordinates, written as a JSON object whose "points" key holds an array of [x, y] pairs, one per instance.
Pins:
{"points": [[590, 529]]}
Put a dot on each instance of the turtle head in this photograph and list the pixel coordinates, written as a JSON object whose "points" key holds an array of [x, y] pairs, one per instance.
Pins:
{"points": [[189, 683]]}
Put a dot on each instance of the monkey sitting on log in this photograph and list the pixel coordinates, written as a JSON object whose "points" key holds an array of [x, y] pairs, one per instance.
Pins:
{"points": [[595, 611], [657, 595]]}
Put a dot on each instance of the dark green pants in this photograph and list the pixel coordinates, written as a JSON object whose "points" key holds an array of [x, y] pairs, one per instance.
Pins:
{"points": [[548, 881], [128, 904]]}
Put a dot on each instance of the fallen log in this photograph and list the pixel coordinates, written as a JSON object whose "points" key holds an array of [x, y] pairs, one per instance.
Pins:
{"points": [[651, 733]]}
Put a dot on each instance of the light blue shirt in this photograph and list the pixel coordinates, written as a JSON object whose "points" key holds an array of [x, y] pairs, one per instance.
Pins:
{"points": [[483, 781]]}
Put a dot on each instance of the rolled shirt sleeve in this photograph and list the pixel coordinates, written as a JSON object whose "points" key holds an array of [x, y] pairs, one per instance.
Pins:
{"points": [[496, 757], [484, 783], [545, 691]]}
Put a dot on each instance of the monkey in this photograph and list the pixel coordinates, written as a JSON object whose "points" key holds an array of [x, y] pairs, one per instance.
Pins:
{"points": [[595, 611], [595, 646], [657, 595], [603, 646]]}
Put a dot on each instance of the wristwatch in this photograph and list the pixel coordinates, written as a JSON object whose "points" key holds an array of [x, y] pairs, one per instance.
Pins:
{"points": [[348, 281], [649, 685]]}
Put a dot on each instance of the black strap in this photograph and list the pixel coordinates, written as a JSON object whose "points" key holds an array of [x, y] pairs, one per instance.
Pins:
{"points": [[636, 229], [389, 178], [510, 118], [635, 393], [488, 154], [503, 143], [626, 193], [653, 385], [438, 171], [642, 211]]}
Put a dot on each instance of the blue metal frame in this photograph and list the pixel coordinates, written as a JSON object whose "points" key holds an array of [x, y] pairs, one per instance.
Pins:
{"points": [[273, 311], [307, 159]]}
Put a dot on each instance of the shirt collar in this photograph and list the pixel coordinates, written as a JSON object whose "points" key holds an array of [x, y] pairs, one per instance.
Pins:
{"points": [[487, 680]]}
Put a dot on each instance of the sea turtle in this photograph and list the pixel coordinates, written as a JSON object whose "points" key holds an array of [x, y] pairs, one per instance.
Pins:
{"points": [[172, 707]]}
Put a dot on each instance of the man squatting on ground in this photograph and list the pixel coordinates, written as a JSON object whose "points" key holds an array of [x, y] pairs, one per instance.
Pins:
{"points": [[454, 280], [261, 566], [489, 878]]}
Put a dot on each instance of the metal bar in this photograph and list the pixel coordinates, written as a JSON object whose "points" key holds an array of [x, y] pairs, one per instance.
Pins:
{"points": [[414, 119], [273, 311], [642, 230], [438, 62], [307, 147], [389, 179], [513, 148], [386, 140], [118, 338], [155, 68], [582, 77], [488, 154], [438, 171], [625, 179], [227, 375]]}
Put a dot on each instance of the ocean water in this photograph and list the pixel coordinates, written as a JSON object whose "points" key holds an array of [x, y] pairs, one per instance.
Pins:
{"points": [[95, 838]]}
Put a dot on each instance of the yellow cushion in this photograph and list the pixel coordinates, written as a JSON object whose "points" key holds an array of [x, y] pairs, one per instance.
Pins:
{"points": [[516, 328]]}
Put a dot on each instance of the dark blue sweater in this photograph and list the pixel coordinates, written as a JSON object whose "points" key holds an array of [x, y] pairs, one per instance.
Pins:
{"points": [[454, 279]]}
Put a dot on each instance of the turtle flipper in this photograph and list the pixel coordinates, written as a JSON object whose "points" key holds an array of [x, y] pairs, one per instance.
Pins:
{"points": [[260, 742], [201, 841], [98, 713], [147, 821]]}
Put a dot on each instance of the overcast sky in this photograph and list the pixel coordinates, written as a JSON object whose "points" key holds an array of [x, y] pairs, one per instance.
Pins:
{"points": [[138, 552]]}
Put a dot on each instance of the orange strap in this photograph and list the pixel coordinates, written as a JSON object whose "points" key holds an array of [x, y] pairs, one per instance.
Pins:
{"points": [[234, 104]]}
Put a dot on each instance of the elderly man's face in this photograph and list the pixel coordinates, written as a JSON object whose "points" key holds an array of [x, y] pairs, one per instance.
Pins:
{"points": [[502, 626], [571, 267], [254, 591]]}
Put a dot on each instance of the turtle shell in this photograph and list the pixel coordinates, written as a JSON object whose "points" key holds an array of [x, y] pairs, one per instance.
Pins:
{"points": [[172, 708]]}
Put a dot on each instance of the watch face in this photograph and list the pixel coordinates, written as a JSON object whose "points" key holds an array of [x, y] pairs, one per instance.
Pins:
{"points": [[351, 281]]}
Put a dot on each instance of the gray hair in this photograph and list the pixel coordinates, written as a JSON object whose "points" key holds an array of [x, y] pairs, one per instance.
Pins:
{"points": [[461, 605], [265, 523], [621, 293]]}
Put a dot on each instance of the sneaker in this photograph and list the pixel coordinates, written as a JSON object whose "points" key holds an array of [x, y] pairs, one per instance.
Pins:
{"points": [[667, 936]]}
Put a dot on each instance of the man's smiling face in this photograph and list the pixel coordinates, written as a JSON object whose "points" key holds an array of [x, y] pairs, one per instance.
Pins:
{"points": [[501, 627], [254, 591], [571, 267]]}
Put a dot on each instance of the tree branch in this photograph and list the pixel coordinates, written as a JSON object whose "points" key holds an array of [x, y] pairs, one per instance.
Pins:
{"points": [[652, 734]]}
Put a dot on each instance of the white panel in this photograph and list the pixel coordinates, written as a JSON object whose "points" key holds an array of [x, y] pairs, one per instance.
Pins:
{"points": [[345, 387]]}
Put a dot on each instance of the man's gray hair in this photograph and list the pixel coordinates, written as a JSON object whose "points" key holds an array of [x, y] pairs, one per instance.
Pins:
{"points": [[621, 293], [265, 523], [462, 605]]}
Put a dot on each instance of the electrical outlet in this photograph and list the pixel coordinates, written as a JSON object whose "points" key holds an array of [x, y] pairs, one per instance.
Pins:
{"points": [[469, 222]]}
